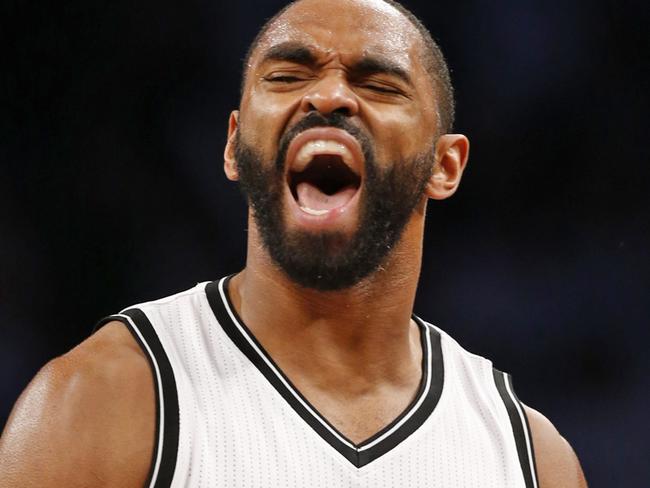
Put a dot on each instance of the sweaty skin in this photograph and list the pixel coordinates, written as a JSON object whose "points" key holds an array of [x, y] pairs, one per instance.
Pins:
{"points": [[87, 418]]}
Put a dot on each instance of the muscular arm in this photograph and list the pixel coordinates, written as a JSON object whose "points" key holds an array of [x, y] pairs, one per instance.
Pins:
{"points": [[86, 419], [557, 464]]}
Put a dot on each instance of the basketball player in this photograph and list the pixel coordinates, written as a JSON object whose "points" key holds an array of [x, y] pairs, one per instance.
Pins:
{"points": [[307, 368]]}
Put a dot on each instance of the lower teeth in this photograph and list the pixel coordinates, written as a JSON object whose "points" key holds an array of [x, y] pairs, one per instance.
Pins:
{"points": [[311, 211]]}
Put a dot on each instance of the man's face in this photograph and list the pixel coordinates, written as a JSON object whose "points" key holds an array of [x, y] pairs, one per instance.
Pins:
{"points": [[335, 138]]}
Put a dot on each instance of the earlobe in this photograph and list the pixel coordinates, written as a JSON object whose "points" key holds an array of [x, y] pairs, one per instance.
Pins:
{"points": [[452, 151], [229, 160]]}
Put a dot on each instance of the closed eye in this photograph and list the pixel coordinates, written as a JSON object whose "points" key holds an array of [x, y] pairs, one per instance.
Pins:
{"points": [[381, 88], [283, 79]]}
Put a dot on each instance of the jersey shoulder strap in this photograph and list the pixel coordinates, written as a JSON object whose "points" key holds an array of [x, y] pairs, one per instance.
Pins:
{"points": [[520, 427], [165, 450]]}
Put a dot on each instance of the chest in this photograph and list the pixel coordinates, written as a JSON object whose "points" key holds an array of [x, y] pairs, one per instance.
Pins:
{"points": [[253, 437]]}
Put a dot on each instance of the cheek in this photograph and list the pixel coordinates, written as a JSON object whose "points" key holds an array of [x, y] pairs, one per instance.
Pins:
{"points": [[264, 118], [402, 133]]}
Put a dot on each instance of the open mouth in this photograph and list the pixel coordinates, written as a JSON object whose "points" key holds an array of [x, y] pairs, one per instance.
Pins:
{"points": [[324, 184], [324, 170]]}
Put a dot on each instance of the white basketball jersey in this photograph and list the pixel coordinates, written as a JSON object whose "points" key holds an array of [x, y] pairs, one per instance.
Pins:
{"points": [[227, 416]]}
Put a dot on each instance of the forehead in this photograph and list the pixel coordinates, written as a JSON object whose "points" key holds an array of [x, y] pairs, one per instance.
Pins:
{"points": [[348, 28]]}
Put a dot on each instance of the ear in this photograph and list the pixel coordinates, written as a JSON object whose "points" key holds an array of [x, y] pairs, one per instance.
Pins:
{"points": [[452, 151], [229, 161]]}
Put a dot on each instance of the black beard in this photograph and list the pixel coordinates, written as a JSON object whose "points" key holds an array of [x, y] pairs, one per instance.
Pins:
{"points": [[329, 261]]}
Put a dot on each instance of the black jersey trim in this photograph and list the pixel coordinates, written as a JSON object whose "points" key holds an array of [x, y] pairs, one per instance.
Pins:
{"points": [[163, 462], [359, 455], [520, 427]]}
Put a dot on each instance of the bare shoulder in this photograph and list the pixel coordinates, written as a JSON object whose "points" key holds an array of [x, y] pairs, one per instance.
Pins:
{"points": [[557, 463], [86, 419]]}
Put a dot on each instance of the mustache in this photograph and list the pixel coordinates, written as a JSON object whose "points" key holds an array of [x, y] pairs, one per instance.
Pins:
{"points": [[316, 119]]}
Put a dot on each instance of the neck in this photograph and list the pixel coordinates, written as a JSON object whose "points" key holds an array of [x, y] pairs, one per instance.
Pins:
{"points": [[361, 337]]}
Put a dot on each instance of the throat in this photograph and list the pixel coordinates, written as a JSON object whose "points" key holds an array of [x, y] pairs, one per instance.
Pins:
{"points": [[359, 417], [359, 398]]}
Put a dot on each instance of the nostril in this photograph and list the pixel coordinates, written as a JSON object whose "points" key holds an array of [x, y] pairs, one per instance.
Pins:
{"points": [[343, 111]]}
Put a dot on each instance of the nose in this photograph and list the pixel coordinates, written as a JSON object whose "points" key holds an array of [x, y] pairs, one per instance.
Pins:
{"points": [[331, 94]]}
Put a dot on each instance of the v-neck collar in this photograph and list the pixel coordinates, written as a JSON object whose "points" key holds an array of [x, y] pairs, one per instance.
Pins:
{"points": [[359, 455]]}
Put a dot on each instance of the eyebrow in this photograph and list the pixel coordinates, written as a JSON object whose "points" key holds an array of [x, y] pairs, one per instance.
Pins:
{"points": [[293, 52], [296, 52], [375, 64]]}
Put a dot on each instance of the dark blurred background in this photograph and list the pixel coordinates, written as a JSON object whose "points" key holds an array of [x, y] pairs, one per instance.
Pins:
{"points": [[113, 122]]}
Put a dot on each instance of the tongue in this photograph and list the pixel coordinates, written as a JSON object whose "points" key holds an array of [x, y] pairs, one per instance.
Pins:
{"points": [[309, 196]]}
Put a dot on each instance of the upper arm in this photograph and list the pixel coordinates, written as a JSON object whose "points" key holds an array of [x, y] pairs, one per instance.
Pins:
{"points": [[557, 463], [86, 419]]}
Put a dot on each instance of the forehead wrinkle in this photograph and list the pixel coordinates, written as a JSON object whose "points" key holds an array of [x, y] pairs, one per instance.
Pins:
{"points": [[367, 20], [303, 45], [370, 61]]}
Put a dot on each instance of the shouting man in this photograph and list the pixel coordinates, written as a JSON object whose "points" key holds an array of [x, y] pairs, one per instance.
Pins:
{"points": [[307, 368]]}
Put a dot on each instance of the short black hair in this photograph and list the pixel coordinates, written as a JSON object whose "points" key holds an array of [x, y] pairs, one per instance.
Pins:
{"points": [[433, 59]]}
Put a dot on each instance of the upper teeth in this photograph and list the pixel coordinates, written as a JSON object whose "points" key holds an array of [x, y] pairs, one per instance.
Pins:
{"points": [[319, 147]]}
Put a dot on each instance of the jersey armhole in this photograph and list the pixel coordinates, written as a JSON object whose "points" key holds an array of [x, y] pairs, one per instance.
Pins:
{"points": [[163, 462], [520, 427]]}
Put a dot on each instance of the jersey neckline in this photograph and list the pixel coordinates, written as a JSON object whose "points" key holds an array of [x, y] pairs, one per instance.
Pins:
{"points": [[361, 454]]}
